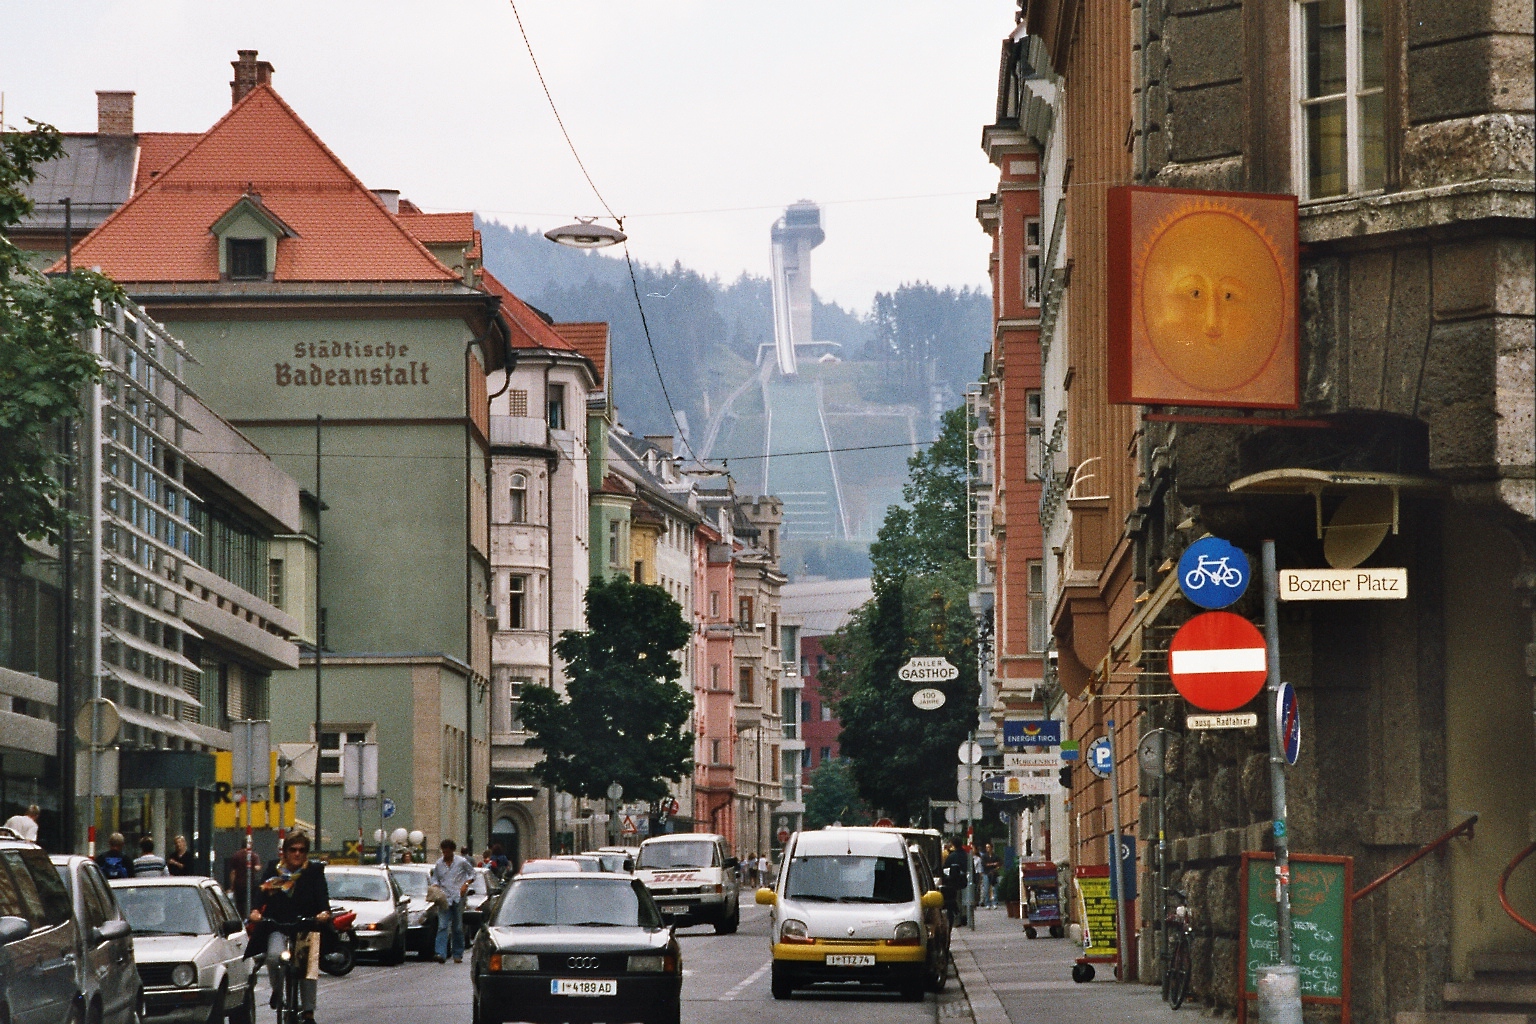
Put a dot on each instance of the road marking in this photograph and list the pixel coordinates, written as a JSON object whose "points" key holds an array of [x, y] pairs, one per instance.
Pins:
{"points": [[746, 983]]}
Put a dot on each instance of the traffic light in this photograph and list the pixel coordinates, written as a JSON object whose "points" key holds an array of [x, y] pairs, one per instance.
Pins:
{"points": [[1064, 775]]}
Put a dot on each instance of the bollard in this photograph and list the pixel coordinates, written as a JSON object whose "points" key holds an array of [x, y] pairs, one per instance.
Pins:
{"points": [[1279, 991]]}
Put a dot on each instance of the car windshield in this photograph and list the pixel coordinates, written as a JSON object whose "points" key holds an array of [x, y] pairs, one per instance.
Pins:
{"points": [[684, 854], [848, 879], [358, 885], [413, 882], [163, 909], [572, 900]]}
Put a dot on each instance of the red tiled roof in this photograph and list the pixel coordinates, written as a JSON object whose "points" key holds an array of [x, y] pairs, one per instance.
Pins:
{"points": [[439, 228], [590, 339], [157, 151], [344, 232], [529, 331]]}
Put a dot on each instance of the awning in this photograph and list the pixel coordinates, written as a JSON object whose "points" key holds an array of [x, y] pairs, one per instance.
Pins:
{"points": [[122, 675], [1299, 481], [168, 726], [122, 636]]}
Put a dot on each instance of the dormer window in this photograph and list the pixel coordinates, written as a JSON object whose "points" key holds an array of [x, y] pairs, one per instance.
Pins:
{"points": [[246, 258]]}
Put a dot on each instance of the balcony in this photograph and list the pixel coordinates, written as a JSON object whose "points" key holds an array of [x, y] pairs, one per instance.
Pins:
{"points": [[519, 430]]}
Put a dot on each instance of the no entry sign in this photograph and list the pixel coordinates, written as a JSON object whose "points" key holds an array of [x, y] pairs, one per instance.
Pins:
{"points": [[1217, 661]]}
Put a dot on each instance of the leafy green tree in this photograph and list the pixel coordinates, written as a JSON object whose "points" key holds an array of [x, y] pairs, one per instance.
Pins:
{"points": [[902, 756], [624, 714], [43, 367], [832, 794]]}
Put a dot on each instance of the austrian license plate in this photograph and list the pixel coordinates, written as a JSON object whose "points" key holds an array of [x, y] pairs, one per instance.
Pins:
{"points": [[582, 987], [850, 959]]}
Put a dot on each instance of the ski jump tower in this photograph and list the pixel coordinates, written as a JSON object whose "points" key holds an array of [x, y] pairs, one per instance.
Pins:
{"points": [[794, 236]]}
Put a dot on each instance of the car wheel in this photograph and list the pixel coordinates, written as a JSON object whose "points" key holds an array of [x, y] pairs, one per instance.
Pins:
{"points": [[216, 1013], [396, 952], [245, 1013], [939, 976], [728, 925], [782, 984]]}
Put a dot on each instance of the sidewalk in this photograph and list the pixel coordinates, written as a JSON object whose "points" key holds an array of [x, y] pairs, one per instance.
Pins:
{"points": [[1010, 979]]}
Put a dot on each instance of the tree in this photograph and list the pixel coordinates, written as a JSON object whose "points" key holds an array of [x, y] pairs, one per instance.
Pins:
{"points": [[831, 795], [624, 716], [901, 756], [43, 367]]}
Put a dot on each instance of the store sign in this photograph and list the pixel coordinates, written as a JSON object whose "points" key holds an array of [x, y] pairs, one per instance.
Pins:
{"points": [[350, 364], [1202, 298]]}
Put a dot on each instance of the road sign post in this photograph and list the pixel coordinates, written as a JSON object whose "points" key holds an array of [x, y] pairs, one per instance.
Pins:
{"points": [[1121, 972], [1277, 769]]}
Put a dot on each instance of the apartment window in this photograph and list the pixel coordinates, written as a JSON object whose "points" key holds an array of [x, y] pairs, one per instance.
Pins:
{"points": [[1034, 426], [826, 755], [455, 759], [556, 406], [517, 402], [275, 581], [805, 665], [744, 612], [615, 556], [1342, 144], [332, 739], [1036, 571], [714, 752], [805, 758], [1032, 233], [714, 604], [807, 711], [773, 764], [519, 493], [246, 258], [744, 694], [826, 713], [821, 663], [515, 695], [517, 602], [1032, 257]]}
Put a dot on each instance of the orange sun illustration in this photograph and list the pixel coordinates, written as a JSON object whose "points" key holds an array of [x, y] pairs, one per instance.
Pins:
{"points": [[1213, 292]]}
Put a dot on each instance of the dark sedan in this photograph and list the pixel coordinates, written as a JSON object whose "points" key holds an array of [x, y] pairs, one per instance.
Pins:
{"points": [[576, 947]]}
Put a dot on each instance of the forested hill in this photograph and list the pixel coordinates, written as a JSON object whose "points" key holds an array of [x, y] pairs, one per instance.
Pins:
{"points": [[707, 331]]}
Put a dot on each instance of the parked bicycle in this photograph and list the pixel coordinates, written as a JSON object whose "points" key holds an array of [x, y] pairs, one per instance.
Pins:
{"points": [[1179, 927]]}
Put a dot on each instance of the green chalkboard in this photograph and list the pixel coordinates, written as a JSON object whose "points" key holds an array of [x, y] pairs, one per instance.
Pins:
{"points": [[1320, 922]]}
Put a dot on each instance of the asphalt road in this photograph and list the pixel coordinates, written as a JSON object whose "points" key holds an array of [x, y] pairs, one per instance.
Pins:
{"points": [[725, 981]]}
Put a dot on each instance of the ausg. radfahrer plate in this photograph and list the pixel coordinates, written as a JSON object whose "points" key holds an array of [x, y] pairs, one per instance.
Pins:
{"points": [[582, 987], [850, 959]]}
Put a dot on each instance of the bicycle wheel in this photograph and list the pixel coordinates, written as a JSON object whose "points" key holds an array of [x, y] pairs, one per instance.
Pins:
{"points": [[1194, 579], [1178, 973]]}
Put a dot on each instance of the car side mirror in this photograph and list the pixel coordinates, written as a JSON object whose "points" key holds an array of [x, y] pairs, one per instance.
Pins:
{"points": [[732, 862], [107, 931], [767, 897], [231, 927], [932, 900], [13, 929], [629, 865]]}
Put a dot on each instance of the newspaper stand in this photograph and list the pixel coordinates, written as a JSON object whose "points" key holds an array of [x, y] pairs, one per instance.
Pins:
{"points": [[1042, 897], [1096, 909]]}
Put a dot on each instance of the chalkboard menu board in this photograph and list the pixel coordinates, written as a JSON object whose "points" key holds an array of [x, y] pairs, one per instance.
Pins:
{"points": [[1097, 910], [1320, 925]]}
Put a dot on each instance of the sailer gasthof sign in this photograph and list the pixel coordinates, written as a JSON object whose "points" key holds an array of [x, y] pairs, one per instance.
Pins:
{"points": [[928, 670]]}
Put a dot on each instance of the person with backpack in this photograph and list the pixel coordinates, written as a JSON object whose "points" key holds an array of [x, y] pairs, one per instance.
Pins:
{"points": [[114, 863]]}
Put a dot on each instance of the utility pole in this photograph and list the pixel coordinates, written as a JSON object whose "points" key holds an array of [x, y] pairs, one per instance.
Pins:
{"points": [[319, 629], [1277, 756], [1116, 867]]}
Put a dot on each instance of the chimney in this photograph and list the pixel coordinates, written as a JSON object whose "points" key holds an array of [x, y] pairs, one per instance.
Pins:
{"points": [[390, 197], [662, 441], [114, 113], [249, 73]]}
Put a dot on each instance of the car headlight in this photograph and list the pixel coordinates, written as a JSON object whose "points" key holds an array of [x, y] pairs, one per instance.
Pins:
{"points": [[183, 975], [908, 933], [793, 931], [514, 962], [651, 962]]}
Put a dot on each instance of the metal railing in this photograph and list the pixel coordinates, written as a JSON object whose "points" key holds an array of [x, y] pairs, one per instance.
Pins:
{"points": [[1420, 854]]}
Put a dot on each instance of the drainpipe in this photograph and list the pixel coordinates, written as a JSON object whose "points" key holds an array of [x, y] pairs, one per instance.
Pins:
{"points": [[549, 574]]}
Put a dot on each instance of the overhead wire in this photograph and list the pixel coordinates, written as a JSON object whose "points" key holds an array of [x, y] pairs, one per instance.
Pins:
{"points": [[263, 453]]}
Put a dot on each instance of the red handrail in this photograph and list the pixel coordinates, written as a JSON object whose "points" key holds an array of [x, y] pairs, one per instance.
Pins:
{"points": [[1422, 852], [1503, 899]]}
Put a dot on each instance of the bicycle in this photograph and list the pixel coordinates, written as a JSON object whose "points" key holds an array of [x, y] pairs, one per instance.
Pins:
{"points": [[1176, 955], [1216, 570], [291, 969]]}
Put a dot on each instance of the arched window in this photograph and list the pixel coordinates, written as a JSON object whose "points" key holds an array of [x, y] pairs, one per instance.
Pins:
{"points": [[519, 498]]}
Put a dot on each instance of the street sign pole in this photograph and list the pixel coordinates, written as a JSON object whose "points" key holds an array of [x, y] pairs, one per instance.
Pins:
{"points": [[1277, 758], [1116, 866]]}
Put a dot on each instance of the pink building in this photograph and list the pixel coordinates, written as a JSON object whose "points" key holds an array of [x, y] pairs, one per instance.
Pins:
{"points": [[714, 779]]}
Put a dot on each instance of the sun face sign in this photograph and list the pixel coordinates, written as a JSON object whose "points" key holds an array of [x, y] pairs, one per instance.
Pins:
{"points": [[1202, 298]]}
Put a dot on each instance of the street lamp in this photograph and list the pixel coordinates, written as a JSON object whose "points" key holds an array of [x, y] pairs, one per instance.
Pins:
{"points": [[586, 233]]}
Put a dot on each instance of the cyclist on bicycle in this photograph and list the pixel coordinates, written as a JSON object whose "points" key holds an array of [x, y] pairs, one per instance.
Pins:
{"points": [[292, 889]]}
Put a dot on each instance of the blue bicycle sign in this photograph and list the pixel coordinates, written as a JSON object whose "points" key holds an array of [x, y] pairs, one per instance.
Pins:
{"points": [[1213, 573]]}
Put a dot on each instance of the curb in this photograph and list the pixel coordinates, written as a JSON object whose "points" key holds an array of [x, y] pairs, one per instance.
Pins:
{"points": [[985, 1007]]}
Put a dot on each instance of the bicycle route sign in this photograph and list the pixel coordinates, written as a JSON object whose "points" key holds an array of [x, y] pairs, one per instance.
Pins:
{"points": [[1213, 573], [1218, 661]]}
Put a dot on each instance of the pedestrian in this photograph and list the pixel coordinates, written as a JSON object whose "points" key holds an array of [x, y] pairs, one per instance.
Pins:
{"points": [[148, 863], [501, 864], [179, 860], [242, 865], [764, 870], [991, 866], [25, 825], [453, 874], [956, 864], [114, 863], [405, 856]]}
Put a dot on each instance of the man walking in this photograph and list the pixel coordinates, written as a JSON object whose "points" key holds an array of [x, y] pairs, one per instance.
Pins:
{"points": [[991, 865], [453, 874], [25, 825], [114, 863], [148, 863]]}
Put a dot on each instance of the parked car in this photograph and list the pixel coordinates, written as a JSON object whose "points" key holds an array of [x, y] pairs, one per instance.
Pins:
{"points": [[39, 982], [852, 905], [576, 946], [189, 941], [382, 909], [420, 916], [692, 878], [548, 866], [110, 989], [620, 860], [586, 861], [481, 892]]}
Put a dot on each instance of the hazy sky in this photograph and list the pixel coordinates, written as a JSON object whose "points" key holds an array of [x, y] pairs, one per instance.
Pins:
{"points": [[677, 107]]}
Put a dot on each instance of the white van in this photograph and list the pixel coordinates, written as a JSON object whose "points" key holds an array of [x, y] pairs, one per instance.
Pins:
{"points": [[692, 878], [854, 905]]}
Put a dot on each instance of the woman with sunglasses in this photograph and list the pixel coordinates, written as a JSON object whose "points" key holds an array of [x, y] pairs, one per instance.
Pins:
{"points": [[292, 889]]}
